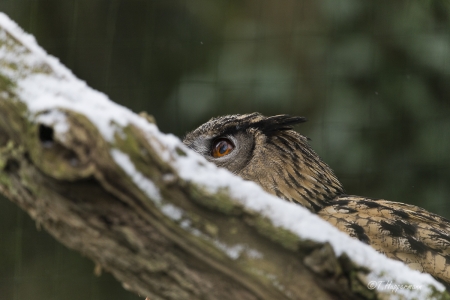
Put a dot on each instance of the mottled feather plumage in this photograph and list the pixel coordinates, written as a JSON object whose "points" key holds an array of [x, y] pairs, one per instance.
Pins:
{"points": [[268, 152]]}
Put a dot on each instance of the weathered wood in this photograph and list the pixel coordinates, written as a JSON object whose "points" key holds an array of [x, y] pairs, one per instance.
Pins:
{"points": [[189, 244]]}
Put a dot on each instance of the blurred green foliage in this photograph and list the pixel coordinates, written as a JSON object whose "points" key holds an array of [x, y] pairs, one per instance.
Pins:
{"points": [[371, 76]]}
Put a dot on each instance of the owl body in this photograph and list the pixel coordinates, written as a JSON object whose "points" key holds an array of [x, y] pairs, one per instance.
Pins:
{"points": [[268, 151]]}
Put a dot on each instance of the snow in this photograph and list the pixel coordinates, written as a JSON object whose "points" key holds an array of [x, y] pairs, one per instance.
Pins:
{"points": [[172, 212], [232, 251], [147, 186], [53, 94]]}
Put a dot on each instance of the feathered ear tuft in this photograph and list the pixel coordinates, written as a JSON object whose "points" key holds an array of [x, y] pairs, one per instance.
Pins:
{"points": [[276, 123]]}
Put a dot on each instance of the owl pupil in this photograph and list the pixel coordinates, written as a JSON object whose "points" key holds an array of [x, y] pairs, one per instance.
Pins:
{"points": [[223, 147]]}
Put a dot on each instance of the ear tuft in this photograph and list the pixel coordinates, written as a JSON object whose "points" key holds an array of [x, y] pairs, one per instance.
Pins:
{"points": [[276, 123]]}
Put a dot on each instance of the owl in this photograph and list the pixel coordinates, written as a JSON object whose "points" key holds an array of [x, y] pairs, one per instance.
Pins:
{"points": [[268, 151]]}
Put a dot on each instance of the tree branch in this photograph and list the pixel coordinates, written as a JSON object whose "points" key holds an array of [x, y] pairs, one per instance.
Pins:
{"points": [[167, 224]]}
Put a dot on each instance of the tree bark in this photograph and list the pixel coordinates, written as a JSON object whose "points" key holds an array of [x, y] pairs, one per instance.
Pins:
{"points": [[189, 244]]}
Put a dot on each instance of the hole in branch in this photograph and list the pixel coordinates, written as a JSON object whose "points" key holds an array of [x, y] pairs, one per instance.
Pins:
{"points": [[54, 149], [46, 135]]}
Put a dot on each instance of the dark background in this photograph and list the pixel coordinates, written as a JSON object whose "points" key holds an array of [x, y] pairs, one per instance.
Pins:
{"points": [[372, 77]]}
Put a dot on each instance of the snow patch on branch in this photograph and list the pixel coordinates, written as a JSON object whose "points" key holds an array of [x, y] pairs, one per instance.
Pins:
{"points": [[144, 184]]}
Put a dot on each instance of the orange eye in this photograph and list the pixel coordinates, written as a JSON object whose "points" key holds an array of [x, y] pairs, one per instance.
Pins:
{"points": [[222, 147]]}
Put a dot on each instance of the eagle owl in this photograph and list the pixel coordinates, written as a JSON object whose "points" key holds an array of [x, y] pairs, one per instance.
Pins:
{"points": [[268, 151]]}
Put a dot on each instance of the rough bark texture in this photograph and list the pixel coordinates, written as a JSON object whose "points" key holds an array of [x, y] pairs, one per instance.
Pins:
{"points": [[76, 191]]}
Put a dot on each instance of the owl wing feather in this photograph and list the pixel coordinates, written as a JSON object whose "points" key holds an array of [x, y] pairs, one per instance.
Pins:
{"points": [[403, 232]]}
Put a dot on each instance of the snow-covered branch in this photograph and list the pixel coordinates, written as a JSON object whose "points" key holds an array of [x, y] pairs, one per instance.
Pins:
{"points": [[168, 224]]}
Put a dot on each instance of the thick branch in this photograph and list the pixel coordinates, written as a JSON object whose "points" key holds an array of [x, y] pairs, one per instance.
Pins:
{"points": [[106, 183]]}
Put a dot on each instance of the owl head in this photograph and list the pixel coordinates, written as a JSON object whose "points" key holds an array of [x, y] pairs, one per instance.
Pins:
{"points": [[268, 151]]}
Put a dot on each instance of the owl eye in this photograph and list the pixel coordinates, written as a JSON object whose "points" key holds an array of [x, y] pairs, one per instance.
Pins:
{"points": [[221, 147]]}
